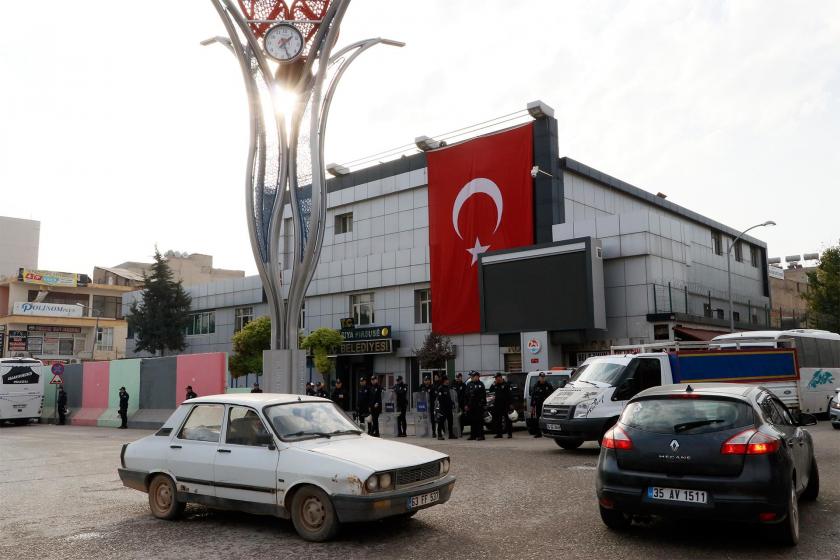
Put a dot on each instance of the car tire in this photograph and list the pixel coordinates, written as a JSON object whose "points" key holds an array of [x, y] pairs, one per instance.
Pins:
{"points": [[614, 519], [813, 489], [788, 531], [313, 515], [835, 426], [568, 443], [163, 498]]}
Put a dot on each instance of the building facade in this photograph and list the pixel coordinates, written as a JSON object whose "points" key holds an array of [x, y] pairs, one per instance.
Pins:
{"points": [[61, 317], [19, 245], [190, 269], [663, 270]]}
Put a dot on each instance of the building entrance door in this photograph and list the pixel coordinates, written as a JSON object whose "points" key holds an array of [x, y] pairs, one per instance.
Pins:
{"points": [[350, 369]]}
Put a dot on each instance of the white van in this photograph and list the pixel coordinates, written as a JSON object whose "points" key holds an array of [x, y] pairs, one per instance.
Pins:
{"points": [[555, 377], [21, 390]]}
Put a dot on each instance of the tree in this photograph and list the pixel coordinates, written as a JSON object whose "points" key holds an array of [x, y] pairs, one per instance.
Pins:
{"points": [[161, 317], [823, 295], [435, 352], [321, 342], [248, 346]]}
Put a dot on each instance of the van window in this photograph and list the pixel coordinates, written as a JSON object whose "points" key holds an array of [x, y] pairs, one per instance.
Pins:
{"points": [[641, 374]]}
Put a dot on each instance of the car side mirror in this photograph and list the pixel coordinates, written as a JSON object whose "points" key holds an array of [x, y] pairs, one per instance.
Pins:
{"points": [[806, 419]]}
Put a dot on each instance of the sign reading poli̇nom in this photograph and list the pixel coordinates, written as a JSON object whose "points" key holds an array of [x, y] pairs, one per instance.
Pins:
{"points": [[49, 278], [47, 309]]}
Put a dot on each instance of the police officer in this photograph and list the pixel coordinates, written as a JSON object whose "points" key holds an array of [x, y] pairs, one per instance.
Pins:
{"points": [[61, 405], [338, 396], [539, 394], [401, 392], [444, 408], [375, 405], [476, 403], [427, 390], [363, 402], [320, 390], [502, 405], [190, 393], [256, 388], [461, 392], [123, 410], [310, 389]]}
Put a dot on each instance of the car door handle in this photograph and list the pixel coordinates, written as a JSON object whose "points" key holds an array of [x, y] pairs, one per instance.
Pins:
{"points": [[175, 447], [223, 450]]}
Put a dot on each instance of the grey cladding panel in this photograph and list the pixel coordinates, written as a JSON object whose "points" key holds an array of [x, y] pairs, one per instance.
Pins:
{"points": [[157, 382], [73, 385]]}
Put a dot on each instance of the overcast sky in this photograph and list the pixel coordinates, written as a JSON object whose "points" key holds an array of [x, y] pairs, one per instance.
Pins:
{"points": [[118, 131]]}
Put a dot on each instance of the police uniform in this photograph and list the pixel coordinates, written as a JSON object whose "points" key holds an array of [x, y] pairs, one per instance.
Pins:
{"points": [[61, 405], [461, 392], [428, 391], [375, 408], [123, 410], [339, 397], [476, 403], [256, 389], [190, 394], [502, 403], [444, 410], [401, 392], [363, 403], [320, 391], [539, 394]]}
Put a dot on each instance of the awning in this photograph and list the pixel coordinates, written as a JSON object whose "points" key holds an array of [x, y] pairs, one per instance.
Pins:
{"points": [[685, 333]]}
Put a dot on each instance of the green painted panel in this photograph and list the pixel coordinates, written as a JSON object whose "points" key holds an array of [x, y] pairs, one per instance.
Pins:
{"points": [[237, 390], [123, 373]]}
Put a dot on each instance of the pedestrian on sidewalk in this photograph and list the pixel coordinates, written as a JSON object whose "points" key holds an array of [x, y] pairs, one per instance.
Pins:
{"points": [[61, 405], [123, 408]]}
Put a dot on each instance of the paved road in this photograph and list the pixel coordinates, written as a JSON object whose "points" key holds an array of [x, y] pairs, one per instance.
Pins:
{"points": [[60, 498]]}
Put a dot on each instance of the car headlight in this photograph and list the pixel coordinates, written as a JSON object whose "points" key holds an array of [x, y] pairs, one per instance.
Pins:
{"points": [[835, 405], [444, 466], [385, 481], [581, 410], [372, 483]]}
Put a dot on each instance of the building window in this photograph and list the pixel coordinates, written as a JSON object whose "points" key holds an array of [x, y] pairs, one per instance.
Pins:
{"points": [[105, 339], [361, 307], [423, 306], [241, 317], [661, 332], [739, 253], [717, 242], [302, 318], [719, 313], [736, 316], [344, 223], [201, 323], [107, 306], [754, 256]]}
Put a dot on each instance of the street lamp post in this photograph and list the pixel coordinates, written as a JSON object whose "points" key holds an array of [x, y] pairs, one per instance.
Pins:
{"points": [[729, 268], [96, 314]]}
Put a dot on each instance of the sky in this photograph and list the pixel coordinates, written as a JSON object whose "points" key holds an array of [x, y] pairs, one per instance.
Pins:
{"points": [[119, 132]]}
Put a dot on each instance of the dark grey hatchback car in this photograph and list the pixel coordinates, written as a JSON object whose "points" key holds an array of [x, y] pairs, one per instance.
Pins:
{"points": [[713, 450]]}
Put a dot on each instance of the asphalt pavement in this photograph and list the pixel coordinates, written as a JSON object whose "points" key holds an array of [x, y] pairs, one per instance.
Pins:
{"points": [[517, 499]]}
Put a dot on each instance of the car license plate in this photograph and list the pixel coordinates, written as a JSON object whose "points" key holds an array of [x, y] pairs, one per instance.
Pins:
{"points": [[677, 495], [423, 499], [554, 427]]}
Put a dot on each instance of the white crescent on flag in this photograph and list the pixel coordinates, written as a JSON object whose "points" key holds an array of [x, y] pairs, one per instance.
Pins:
{"points": [[476, 186]]}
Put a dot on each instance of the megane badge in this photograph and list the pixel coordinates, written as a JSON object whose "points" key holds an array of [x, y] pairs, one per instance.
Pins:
{"points": [[674, 445]]}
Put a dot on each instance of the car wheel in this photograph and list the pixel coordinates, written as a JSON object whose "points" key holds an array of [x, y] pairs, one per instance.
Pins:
{"points": [[614, 519], [788, 533], [313, 514], [836, 426], [569, 443], [813, 489], [163, 499]]}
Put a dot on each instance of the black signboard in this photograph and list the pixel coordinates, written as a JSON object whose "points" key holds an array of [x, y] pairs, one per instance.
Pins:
{"points": [[366, 333], [17, 340], [383, 346], [347, 323], [20, 375]]}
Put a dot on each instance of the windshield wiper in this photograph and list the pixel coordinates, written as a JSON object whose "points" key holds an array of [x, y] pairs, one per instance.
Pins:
{"points": [[343, 432], [696, 424], [585, 381], [316, 434]]}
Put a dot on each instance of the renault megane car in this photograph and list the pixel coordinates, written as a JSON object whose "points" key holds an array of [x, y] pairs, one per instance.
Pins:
{"points": [[293, 457], [713, 450]]}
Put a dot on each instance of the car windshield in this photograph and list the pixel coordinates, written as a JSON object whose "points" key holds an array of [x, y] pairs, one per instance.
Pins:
{"points": [[687, 416], [599, 372], [303, 420]]}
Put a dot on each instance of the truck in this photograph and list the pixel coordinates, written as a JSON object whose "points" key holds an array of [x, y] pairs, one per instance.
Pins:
{"points": [[21, 390], [592, 401]]}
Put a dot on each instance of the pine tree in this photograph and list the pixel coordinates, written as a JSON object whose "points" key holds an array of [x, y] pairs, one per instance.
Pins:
{"points": [[161, 318]]}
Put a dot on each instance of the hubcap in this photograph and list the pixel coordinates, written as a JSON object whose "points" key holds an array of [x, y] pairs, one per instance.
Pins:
{"points": [[163, 497], [312, 513]]}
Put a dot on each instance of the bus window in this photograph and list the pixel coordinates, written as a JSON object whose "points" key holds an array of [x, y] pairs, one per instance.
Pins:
{"points": [[807, 352]]}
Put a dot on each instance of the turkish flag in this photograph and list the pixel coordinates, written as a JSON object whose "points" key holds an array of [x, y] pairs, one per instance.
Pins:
{"points": [[480, 199]]}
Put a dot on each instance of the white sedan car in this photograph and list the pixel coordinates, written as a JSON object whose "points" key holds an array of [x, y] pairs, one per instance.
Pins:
{"points": [[283, 455]]}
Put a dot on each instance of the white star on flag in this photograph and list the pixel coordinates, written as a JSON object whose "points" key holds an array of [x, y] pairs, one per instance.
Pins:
{"points": [[476, 250]]}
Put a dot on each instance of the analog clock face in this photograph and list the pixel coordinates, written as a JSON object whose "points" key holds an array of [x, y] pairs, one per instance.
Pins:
{"points": [[283, 42]]}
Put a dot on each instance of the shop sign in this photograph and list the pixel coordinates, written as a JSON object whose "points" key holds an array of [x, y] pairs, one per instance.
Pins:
{"points": [[50, 278], [775, 272], [51, 328], [384, 346], [17, 340], [366, 333], [347, 323], [47, 309]]}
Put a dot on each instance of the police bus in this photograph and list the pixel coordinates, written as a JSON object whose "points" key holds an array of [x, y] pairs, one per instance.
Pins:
{"points": [[21, 390]]}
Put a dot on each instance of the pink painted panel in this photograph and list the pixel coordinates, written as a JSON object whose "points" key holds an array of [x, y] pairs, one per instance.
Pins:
{"points": [[205, 372], [96, 379], [86, 416]]}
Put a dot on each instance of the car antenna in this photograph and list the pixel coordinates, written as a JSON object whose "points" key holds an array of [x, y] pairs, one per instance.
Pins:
{"points": [[298, 398], [688, 389]]}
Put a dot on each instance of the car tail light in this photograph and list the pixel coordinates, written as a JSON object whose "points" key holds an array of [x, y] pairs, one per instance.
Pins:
{"points": [[606, 503], [767, 516], [616, 438], [750, 442]]}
